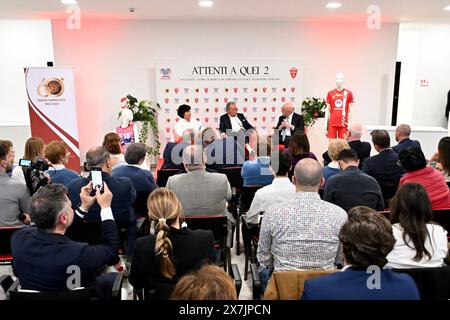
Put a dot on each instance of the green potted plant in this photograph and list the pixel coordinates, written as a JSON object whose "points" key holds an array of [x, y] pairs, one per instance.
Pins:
{"points": [[313, 108]]}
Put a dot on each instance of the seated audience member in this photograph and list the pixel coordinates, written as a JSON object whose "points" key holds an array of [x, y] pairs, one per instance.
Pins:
{"points": [[298, 150], [207, 283], [10, 148], [366, 239], [57, 154], [185, 123], [34, 149], [173, 152], [384, 166], [111, 142], [415, 164], [141, 179], [351, 187], [121, 187], [42, 255], [353, 137], [14, 195], [419, 242], [402, 133], [301, 233], [280, 190], [256, 171], [334, 148], [162, 258], [221, 152], [441, 160]]}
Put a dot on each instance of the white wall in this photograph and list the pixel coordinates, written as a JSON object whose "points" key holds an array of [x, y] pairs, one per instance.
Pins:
{"points": [[424, 50], [113, 58], [23, 43]]}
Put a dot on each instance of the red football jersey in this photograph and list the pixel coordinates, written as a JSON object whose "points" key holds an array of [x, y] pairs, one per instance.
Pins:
{"points": [[336, 99]]}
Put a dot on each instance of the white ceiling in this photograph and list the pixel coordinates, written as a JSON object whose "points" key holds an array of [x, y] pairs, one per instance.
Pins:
{"points": [[254, 10]]}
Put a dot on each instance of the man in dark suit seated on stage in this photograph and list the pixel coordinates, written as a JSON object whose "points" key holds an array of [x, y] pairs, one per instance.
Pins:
{"points": [[384, 167], [141, 179], [121, 187], [46, 260], [362, 148], [366, 240], [234, 124], [289, 123], [402, 133]]}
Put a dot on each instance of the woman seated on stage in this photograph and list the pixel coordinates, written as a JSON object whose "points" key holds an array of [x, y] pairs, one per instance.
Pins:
{"points": [[185, 122], [162, 258], [298, 150]]}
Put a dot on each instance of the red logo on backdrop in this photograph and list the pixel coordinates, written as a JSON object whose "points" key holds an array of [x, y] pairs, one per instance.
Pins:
{"points": [[225, 99], [206, 90], [293, 72], [176, 90], [216, 109], [273, 109], [206, 119], [235, 90], [166, 100], [283, 99], [196, 100], [167, 130], [254, 99], [292, 89], [264, 89], [264, 119], [245, 109]]}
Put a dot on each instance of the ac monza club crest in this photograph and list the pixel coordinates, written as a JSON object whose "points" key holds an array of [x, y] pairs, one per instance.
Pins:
{"points": [[293, 72]]}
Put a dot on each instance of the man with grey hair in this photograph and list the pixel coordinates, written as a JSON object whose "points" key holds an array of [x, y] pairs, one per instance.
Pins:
{"points": [[121, 187], [353, 137], [142, 180], [289, 123], [233, 123], [301, 233], [402, 133]]}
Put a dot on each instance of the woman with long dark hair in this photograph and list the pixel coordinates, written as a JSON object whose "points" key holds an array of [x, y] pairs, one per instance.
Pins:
{"points": [[420, 243]]}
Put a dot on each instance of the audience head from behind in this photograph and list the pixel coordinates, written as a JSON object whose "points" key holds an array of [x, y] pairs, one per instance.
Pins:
{"points": [[111, 142], [412, 159], [6, 156], [184, 112], [366, 238], [57, 152], [402, 132], [354, 133], [347, 158], [411, 208], [193, 158], [135, 153], [165, 209], [299, 144], [189, 136], [444, 153], [280, 163], [209, 135], [34, 148], [206, 283], [380, 140], [335, 146], [51, 209], [99, 157], [308, 176]]}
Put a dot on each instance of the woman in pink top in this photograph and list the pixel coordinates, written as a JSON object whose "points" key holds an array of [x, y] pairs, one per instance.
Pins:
{"points": [[415, 164]]}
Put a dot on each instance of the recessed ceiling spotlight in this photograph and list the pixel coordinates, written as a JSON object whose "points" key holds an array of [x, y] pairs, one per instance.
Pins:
{"points": [[69, 2], [132, 10], [205, 3], [334, 5], [447, 8]]}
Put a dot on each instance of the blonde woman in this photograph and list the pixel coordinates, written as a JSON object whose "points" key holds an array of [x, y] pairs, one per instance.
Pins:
{"points": [[160, 259], [334, 148], [34, 148]]}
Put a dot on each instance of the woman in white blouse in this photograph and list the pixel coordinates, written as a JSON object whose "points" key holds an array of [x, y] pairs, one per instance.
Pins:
{"points": [[185, 122], [420, 243]]}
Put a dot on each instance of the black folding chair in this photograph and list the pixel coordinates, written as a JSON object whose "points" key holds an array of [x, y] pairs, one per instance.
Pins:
{"points": [[163, 175], [5, 244], [250, 237]]}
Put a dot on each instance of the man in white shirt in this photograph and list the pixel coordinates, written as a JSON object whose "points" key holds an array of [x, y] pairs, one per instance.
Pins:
{"points": [[288, 123], [281, 189], [233, 123]]}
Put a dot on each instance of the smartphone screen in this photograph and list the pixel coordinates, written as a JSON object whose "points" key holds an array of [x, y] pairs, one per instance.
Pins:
{"points": [[97, 181], [25, 163]]}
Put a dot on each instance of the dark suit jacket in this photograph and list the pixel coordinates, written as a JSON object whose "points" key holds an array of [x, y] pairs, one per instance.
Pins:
{"points": [[406, 143], [223, 153], [384, 168], [362, 149], [143, 183], [173, 155], [352, 285], [41, 259], [351, 188], [225, 122], [297, 122], [191, 248], [124, 196]]}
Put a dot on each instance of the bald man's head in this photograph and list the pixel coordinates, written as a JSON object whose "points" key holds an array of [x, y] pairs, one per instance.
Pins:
{"points": [[287, 109], [402, 132], [308, 174], [355, 132]]}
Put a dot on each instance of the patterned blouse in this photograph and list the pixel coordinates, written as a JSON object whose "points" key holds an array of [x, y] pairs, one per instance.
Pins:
{"points": [[438, 167]]}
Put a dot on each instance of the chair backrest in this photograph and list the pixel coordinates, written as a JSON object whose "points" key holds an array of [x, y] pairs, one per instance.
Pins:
{"points": [[443, 218], [5, 244], [248, 193], [388, 191], [163, 175], [289, 285], [217, 224], [234, 176], [432, 283], [140, 204]]}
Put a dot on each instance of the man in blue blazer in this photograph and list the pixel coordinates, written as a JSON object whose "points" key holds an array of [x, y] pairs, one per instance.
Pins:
{"points": [[141, 179], [402, 133], [366, 239], [121, 187], [46, 260]]}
